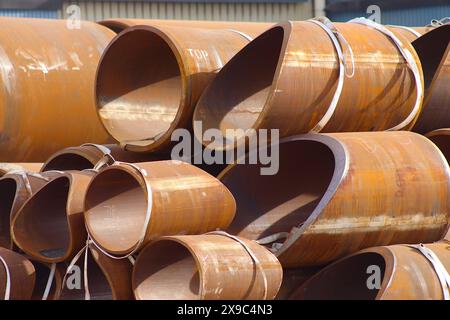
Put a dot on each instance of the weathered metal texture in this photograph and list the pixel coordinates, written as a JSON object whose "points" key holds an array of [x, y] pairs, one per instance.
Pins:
{"points": [[150, 78], [179, 199], [50, 227], [22, 275], [286, 79], [293, 279], [406, 274], [433, 49], [441, 138], [88, 155], [6, 167], [251, 28], [108, 278], [42, 275], [209, 267], [47, 86], [15, 189], [335, 194]]}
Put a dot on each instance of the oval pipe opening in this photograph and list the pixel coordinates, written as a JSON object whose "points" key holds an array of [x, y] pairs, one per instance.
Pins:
{"points": [[115, 210], [272, 204], [41, 227], [237, 96], [352, 278], [166, 270], [68, 161], [138, 86], [8, 188]]}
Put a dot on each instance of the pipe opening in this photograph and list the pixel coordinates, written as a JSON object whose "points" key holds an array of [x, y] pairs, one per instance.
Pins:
{"points": [[99, 287], [68, 161], [139, 87], [41, 226], [349, 279], [7, 195], [115, 210], [270, 204], [166, 270], [236, 97]]}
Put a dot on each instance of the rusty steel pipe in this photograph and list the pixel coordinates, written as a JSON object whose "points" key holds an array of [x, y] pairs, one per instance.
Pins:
{"points": [[286, 79], [127, 206], [50, 226], [88, 155], [251, 28], [352, 190], [47, 86], [6, 167], [293, 279], [441, 138], [150, 78], [406, 274], [21, 276], [109, 279], [205, 267], [433, 49], [15, 190], [42, 275]]}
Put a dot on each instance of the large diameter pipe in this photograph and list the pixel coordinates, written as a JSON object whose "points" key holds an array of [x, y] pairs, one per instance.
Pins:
{"points": [[127, 206], [441, 138], [335, 194], [21, 274], [433, 49], [108, 279], [404, 272], [47, 86], [43, 274], [287, 77], [50, 226], [6, 167], [251, 28], [150, 78], [87, 156], [206, 267], [15, 190]]}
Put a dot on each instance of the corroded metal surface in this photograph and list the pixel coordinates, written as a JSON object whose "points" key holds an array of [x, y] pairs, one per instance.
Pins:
{"points": [[352, 190], [22, 275], [173, 197], [88, 155], [212, 267], [47, 86], [441, 138], [433, 49], [286, 79], [50, 226], [150, 78], [406, 274], [6, 167]]}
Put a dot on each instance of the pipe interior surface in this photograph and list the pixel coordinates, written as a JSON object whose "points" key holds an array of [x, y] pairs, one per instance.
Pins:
{"points": [[64, 162], [7, 196], [138, 87], [116, 206]]}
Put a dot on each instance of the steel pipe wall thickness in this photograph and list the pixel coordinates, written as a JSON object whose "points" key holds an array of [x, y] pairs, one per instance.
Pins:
{"points": [[406, 274], [127, 206], [47, 86], [150, 78], [50, 226], [335, 194], [212, 267], [286, 78]]}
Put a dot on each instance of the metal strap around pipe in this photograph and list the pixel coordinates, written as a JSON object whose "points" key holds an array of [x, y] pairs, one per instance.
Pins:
{"points": [[8, 280]]}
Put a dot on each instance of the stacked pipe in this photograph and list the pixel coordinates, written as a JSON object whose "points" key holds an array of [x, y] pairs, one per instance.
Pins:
{"points": [[351, 192]]}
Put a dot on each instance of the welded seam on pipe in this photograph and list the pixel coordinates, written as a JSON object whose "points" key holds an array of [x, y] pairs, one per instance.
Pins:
{"points": [[250, 253], [439, 269], [148, 191], [411, 62], [332, 32], [8, 280]]}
